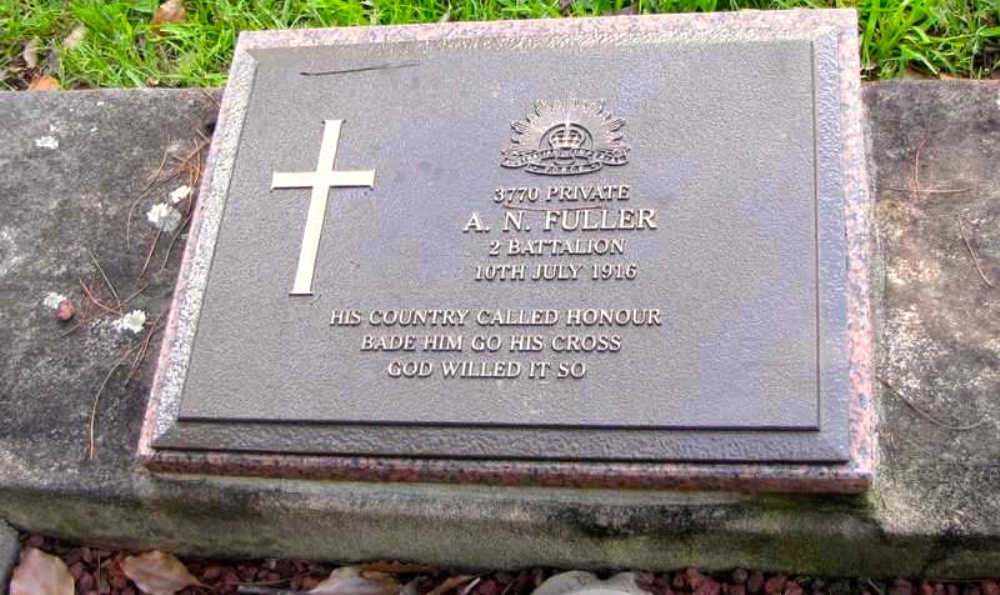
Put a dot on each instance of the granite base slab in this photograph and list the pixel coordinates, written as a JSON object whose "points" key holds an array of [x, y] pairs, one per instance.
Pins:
{"points": [[931, 510]]}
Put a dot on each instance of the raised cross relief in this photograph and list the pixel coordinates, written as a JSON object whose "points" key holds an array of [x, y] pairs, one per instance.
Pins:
{"points": [[321, 181]]}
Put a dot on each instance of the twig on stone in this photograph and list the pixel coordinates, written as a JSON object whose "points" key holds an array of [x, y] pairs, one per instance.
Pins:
{"points": [[186, 160], [142, 195], [386, 66], [70, 330], [210, 97], [194, 177], [149, 255], [917, 188], [173, 240], [927, 416], [975, 255], [92, 425], [930, 191], [143, 347], [134, 295], [110, 285], [90, 295]]}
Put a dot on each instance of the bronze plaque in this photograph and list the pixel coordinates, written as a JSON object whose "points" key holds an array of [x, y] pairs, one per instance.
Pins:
{"points": [[612, 241]]}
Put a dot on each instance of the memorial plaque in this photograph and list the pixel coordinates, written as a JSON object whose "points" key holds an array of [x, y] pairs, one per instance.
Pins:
{"points": [[540, 251]]}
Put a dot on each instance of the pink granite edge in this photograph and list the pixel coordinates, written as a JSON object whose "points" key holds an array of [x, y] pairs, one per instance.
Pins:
{"points": [[858, 208], [687, 23], [145, 449]]}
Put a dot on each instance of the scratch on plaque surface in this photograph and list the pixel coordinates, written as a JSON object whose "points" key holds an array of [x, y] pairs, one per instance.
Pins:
{"points": [[386, 66]]}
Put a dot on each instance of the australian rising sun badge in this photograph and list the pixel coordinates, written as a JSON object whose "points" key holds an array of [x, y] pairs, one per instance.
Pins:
{"points": [[566, 137]]}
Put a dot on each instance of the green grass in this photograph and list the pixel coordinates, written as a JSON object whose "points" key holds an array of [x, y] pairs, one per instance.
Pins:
{"points": [[935, 38]]}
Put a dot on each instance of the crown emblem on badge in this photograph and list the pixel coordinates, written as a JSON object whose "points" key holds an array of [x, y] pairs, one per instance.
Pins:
{"points": [[566, 137]]}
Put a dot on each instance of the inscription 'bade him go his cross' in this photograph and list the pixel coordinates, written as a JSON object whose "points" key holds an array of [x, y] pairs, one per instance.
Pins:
{"points": [[321, 181]]}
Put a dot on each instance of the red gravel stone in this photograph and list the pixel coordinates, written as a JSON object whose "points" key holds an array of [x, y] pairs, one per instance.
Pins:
{"points": [[793, 588], [308, 583], [211, 573], [708, 586], [119, 581], [87, 555], [661, 586], [678, 582], [693, 578], [230, 577], [247, 573], [35, 541], [85, 583], [645, 580], [755, 582], [737, 589], [775, 585], [504, 578], [901, 586], [739, 576], [990, 588], [76, 569]]}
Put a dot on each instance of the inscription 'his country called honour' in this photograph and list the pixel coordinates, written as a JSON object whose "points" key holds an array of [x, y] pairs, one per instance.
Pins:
{"points": [[321, 181]]}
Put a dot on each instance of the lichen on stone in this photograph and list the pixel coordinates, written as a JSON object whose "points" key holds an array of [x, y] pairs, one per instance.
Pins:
{"points": [[180, 193], [164, 217], [132, 322], [53, 299]]}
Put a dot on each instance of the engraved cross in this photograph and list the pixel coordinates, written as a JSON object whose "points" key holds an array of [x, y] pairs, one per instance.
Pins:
{"points": [[321, 181]]}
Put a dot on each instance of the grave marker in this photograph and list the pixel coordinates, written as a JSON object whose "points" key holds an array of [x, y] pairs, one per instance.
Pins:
{"points": [[620, 251]]}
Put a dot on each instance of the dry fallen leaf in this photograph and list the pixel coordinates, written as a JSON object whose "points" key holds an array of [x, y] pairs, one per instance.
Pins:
{"points": [[158, 573], [39, 573], [30, 53], [44, 83], [350, 580], [577, 582], [171, 11], [75, 37]]}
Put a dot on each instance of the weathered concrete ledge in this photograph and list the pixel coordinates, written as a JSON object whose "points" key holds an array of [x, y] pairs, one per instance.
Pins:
{"points": [[74, 164]]}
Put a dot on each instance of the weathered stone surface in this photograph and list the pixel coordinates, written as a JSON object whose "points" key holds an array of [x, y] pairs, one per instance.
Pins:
{"points": [[932, 510], [9, 549], [940, 321]]}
